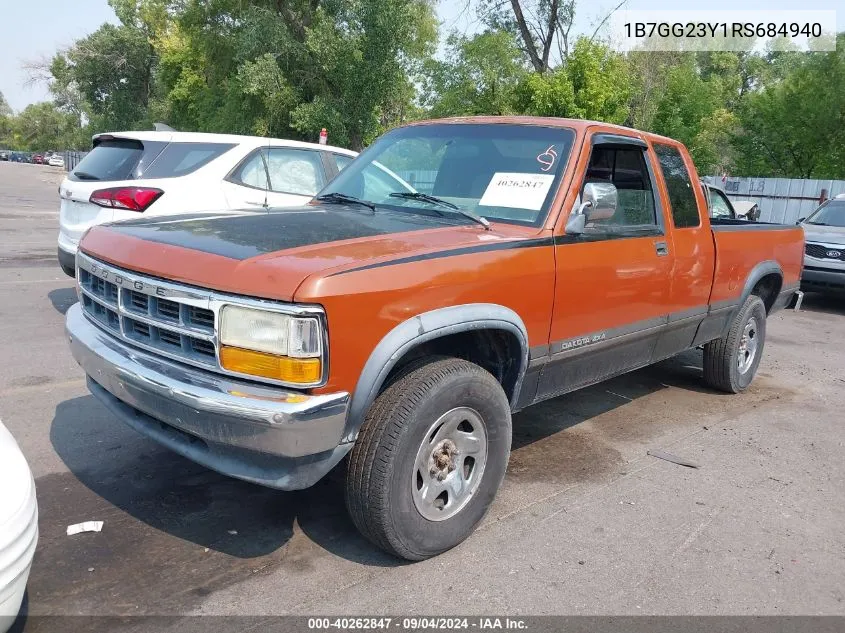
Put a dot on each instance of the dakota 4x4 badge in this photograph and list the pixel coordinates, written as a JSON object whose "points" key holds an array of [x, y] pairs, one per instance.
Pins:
{"points": [[582, 341]]}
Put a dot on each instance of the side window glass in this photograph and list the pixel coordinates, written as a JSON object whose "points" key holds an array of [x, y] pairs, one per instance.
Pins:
{"points": [[295, 171], [679, 185], [252, 172], [626, 169], [719, 206]]}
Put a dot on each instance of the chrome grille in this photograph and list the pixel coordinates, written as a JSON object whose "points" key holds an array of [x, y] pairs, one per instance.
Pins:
{"points": [[172, 320], [820, 251], [180, 327]]}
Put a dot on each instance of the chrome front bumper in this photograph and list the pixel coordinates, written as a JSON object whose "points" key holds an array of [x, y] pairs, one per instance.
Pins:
{"points": [[272, 436]]}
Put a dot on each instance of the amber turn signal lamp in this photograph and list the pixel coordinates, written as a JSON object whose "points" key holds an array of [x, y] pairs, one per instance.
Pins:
{"points": [[303, 371]]}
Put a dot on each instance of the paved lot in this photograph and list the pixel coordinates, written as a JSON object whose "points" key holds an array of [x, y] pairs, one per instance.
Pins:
{"points": [[586, 523]]}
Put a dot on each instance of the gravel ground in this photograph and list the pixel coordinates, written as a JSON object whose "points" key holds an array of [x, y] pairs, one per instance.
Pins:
{"points": [[586, 523]]}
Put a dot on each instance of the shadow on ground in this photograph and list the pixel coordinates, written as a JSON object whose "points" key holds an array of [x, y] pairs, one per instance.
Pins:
{"points": [[827, 304], [62, 299]]}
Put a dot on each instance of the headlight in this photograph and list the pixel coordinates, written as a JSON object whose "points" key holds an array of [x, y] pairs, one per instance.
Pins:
{"points": [[273, 345]]}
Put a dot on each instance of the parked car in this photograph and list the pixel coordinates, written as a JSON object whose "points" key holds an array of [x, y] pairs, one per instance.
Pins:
{"points": [[824, 257], [56, 160], [167, 173], [723, 208], [4, 155], [18, 527], [746, 210], [38, 159], [532, 257]]}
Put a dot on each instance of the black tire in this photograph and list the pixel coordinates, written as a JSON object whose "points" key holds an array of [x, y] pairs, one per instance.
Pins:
{"points": [[382, 470], [722, 368]]}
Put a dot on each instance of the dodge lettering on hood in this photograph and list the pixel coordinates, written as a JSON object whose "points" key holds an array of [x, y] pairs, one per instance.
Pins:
{"points": [[457, 271]]}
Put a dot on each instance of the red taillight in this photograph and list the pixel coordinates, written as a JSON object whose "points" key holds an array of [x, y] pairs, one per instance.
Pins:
{"points": [[129, 198]]}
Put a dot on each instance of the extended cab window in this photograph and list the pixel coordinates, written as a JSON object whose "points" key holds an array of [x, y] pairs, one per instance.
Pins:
{"points": [[625, 168], [504, 172], [679, 185]]}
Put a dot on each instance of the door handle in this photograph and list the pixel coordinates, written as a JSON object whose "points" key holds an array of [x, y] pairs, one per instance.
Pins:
{"points": [[662, 249]]}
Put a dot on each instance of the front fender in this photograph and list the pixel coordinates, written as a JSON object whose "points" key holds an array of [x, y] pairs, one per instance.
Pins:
{"points": [[421, 329]]}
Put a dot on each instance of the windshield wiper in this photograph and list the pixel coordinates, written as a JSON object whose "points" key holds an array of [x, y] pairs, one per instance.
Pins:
{"points": [[424, 197], [342, 198], [416, 195], [85, 175]]}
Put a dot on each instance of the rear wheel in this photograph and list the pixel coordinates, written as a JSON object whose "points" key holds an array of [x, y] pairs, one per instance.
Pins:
{"points": [[429, 459], [731, 361]]}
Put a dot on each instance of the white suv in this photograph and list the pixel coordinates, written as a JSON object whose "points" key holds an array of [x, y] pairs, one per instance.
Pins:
{"points": [[167, 173]]}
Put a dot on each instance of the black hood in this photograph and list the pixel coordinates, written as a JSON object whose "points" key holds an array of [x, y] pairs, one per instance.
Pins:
{"points": [[248, 234]]}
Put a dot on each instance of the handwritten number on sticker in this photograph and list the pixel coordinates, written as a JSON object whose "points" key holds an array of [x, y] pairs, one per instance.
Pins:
{"points": [[547, 159]]}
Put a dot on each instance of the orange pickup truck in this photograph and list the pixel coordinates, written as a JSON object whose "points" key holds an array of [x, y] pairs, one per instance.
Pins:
{"points": [[455, 272]]}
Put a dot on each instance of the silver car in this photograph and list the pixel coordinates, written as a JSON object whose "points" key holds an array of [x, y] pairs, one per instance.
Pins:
{"points": [[824, 255]]}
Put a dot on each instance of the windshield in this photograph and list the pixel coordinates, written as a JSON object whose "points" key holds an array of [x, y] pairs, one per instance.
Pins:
{"points": [[831, 213], [503, 172]]}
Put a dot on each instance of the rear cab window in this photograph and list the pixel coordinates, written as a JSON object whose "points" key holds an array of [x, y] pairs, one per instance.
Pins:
{"points": [[114, 159], [679, 186]]}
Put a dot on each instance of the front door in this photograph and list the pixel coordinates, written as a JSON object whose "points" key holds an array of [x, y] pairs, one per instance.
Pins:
{"points": [[613, 280]]}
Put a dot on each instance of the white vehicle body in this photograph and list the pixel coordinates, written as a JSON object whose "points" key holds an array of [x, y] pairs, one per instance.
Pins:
{"points": [[193, 173], [18, 527], [56, 161]]}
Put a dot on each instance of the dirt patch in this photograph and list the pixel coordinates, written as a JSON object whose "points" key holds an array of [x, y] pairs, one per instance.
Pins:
{"points": [[31, 381], [30, 260]]}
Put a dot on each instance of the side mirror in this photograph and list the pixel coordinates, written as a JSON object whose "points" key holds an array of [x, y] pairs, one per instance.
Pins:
{"points": [[599, 201]]}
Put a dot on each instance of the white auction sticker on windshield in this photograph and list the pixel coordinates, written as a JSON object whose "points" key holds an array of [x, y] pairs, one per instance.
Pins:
{"points": [[517, 191]]}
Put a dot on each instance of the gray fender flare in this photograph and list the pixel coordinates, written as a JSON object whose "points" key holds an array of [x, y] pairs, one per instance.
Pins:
{"points": [[420, 329], [757, 273]]}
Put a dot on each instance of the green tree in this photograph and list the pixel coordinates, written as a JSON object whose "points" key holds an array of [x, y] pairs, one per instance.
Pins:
{"points": [[112, 72], [592, 84], [5, 109], [795, 127], [285, 68], [42, 126], [541, 26], [479, 76]]}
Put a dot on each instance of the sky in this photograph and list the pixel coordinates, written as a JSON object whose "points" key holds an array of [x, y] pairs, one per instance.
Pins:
{"points": [[36, 29]]}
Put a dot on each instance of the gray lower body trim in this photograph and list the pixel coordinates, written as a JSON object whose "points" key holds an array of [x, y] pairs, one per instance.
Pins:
{"points": [[785, 297], [575, 363]]}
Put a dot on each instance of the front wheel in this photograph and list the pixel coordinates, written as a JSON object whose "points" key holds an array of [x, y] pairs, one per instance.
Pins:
{"points": [[731, 361], [429, 459]]}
